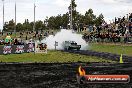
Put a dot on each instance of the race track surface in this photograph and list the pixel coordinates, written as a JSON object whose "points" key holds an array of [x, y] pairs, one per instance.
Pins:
{"points": [[104, 55], [45, 75]]}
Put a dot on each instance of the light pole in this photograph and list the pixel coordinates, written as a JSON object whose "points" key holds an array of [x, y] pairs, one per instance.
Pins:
{"points": [[34, 27], [3, 14], [15, 20], [34, 17], [71, 17]]}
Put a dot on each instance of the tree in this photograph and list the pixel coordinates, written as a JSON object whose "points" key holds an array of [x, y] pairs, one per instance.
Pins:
{"points": [[19, 27], [74, 12], [65, 20], [27, 26], [51, 22], [58, 21], [46, 22], [89, 17], [9, 26], [39, 25], [79, 20], [5, 26], [99, 20]]}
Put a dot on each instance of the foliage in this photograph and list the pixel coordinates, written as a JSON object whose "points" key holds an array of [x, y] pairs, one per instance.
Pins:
{"points": [[89, 17]]}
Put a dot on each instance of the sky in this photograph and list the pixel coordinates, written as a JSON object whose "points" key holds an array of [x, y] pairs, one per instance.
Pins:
{"points": [[25, 8]]}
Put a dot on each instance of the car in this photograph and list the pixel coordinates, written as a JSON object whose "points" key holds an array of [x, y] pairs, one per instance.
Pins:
{"points": [[71, 45]]}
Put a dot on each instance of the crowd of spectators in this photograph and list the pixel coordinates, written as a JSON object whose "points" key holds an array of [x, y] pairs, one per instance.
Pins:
{"points": [[35, 35], [117, 31]]}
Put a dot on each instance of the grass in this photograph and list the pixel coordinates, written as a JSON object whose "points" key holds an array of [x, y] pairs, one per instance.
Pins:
{"points": [[50, 57], [116, 49]]}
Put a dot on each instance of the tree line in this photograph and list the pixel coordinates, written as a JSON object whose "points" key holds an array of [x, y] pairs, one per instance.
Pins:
{"points": [[59, 21]]}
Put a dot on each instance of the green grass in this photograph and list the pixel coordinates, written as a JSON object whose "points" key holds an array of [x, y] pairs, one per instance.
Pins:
{"points": [[116, 49], [50, 57]]}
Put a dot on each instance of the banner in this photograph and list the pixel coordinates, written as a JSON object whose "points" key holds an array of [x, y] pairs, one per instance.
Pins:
{"points": [[30, 47], [40, 48], [7, 50], [18, 49]]}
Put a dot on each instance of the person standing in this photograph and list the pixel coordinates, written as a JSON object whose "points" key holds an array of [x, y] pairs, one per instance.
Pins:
{"points": [[26, 37]]}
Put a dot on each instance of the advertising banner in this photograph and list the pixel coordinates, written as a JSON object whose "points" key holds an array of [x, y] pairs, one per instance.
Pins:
{"points": [[7, 50], [40, 48], [30, 47], [18, 49]]}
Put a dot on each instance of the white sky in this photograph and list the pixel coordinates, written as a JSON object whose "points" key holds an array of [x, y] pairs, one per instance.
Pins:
{"points": [[109, 8]]}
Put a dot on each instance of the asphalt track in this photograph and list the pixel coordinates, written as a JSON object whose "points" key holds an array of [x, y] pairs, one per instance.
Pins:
{"points": [[55, 75], [104, 55]]}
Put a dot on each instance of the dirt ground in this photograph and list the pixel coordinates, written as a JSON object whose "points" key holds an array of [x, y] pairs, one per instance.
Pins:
{"points": [[42, 75]]}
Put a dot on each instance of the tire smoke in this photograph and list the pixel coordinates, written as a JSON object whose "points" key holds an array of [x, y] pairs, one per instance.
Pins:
{"points": [[64, 35]]}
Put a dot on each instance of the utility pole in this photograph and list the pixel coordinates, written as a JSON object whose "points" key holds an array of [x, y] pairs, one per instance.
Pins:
{"points": [[34, 28], [15, 20], [71, 17], [3, 14], [34, 17]]}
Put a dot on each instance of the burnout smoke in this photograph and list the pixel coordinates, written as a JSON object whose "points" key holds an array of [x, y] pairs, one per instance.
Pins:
{"points": [[64, 35]]}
